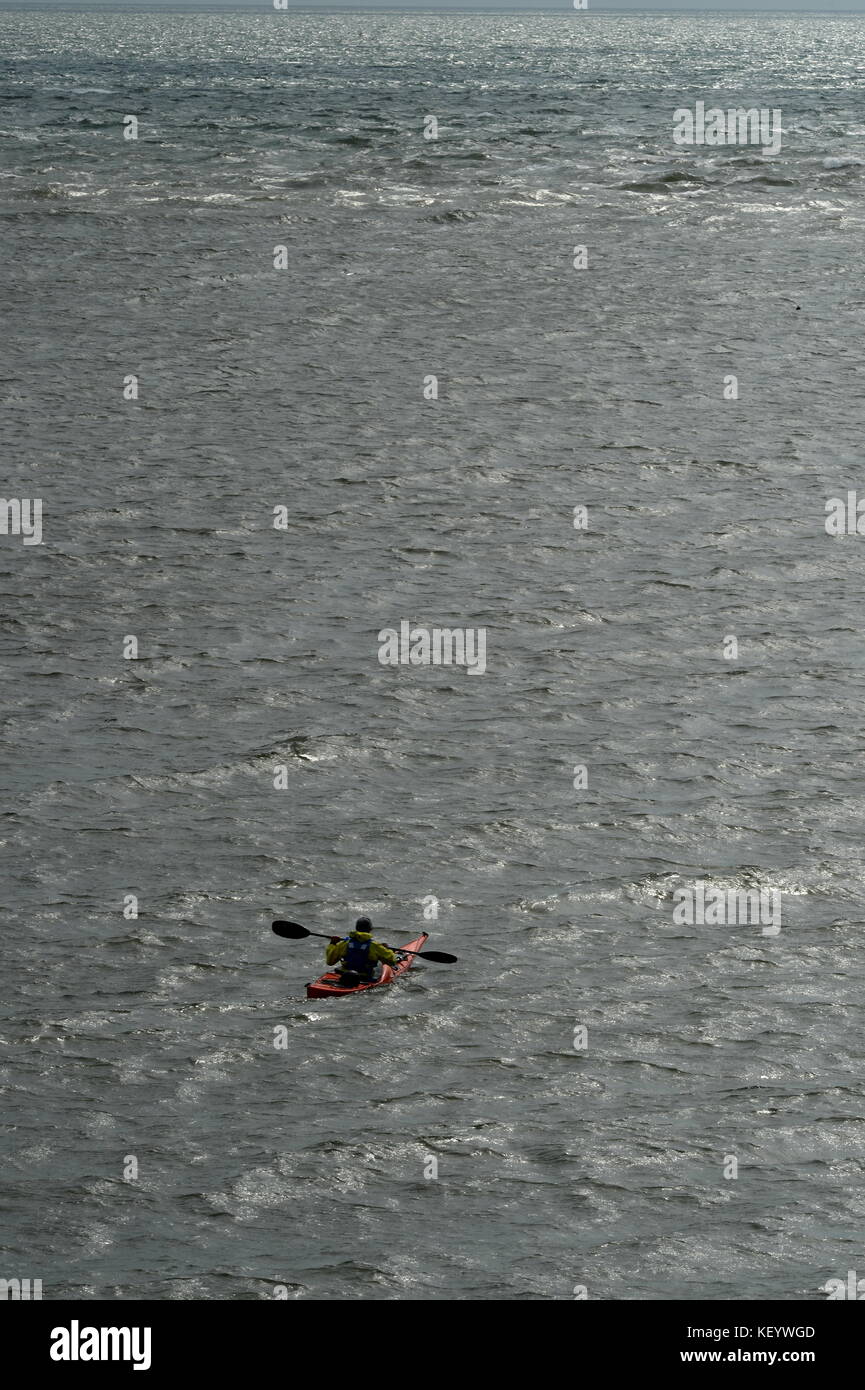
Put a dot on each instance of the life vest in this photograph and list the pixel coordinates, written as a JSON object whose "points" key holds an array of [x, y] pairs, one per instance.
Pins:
{"points": [[357, 955]]}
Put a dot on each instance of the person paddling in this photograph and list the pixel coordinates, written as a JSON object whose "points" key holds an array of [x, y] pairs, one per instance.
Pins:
{"points": [[358, 952]]}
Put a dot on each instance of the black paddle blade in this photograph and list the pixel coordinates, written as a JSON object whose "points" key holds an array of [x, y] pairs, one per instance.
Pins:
{"points": [[441, 956], [293, 930]]}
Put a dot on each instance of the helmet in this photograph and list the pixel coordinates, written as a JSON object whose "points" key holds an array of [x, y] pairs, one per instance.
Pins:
{"points": [[363, 924]]}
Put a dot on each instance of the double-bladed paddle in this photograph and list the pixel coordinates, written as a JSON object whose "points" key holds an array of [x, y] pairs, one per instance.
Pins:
{"points": [[294, 932]]}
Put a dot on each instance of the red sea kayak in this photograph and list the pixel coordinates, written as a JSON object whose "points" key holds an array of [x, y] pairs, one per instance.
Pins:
{"points": [[327, 986]]}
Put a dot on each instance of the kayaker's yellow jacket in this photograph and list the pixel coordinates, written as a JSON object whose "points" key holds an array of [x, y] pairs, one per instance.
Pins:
{"points": [[337, 949]]}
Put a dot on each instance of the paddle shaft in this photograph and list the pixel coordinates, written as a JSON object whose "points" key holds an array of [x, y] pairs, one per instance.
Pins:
{"points": [[295, 932], [384, 943]]}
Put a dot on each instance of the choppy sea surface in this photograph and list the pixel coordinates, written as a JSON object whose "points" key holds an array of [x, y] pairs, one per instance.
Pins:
{"points": [[152, 1038]]}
